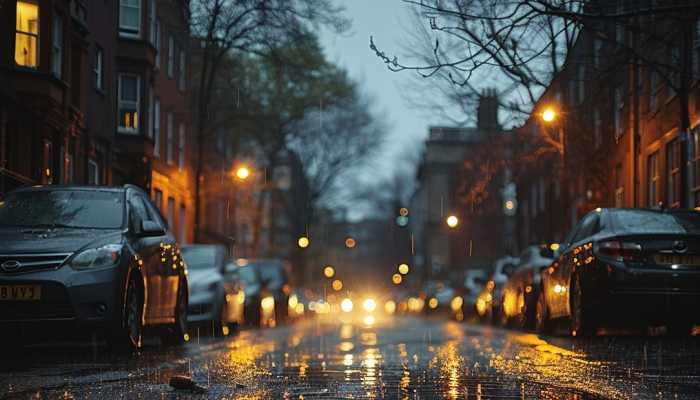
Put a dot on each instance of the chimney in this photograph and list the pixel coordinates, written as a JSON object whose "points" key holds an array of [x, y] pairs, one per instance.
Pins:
{"points": [[487, 111]]}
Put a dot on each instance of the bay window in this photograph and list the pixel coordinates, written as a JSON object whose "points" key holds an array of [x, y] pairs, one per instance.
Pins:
{"points": [[129, 103], [27, 34]]}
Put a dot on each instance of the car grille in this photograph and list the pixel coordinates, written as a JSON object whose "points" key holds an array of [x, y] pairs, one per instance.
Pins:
{"points": [[30, 262], [54, 304]]}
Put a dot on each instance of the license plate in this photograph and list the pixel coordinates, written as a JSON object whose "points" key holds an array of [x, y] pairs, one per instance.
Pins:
{"points": [[678, 259], [20, 292]]}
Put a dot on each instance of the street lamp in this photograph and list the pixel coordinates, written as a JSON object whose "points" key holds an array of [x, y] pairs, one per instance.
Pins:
{"points": [[403, 269], [396, 278], [452, 221], [303, 242], [242, 173], [329, 272], [549, 114]]}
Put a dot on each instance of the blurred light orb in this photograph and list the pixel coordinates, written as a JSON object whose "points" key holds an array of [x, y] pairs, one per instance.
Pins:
{"points": [[554, 246], [403, 269], [390, 307], [242, 173], [328, 271], [549, 115], [401, 220], [396, 278], [369, 320], [510, 205], [456, 303], [337, 285], [267, 303], [303, 242], [403, 212], [433, 303], [293, 301], [350, 243], [452, 221], [369, 305], [346, 305]]}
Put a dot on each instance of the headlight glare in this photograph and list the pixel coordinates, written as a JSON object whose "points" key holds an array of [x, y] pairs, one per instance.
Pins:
{"points": [[105, 256]]}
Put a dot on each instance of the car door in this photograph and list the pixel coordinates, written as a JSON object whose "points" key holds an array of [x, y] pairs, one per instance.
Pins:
{"points": [[555, 276], [170, 266], [576, 254], [148, 251]]}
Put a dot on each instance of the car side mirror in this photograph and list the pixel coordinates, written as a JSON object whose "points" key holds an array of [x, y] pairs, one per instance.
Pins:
{"points": [[151, 228]]}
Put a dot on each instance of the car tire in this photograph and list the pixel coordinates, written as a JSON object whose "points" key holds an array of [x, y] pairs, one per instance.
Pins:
{"points": [[582, 317], [129, 335], [177, 334], [543, 324]]}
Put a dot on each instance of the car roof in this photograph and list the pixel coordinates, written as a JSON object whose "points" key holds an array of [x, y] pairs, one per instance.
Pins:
{"points": [[39, 188]]}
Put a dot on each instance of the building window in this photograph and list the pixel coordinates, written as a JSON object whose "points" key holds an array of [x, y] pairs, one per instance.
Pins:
{"points": [[183, 224], [181, 147], [673, 174], [695, 165], [157, 42], [183, 71], [171, 212], [130, 18], [597, 128], [93, 173], [169, 138], [57, 47], [158, 199], [597, 50], [653, 180], [156, 127], [151, 111], [47, 170], [99, 68], [619, 105], [27, 34], [619, 186], [152, 21], [171, 57], [129, 102]]}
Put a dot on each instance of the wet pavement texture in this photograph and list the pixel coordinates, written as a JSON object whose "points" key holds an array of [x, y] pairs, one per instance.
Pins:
{"points": [[393, 358]]}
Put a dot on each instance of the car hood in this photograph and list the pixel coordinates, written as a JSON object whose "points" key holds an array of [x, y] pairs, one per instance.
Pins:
{"points": [[59, 240]]}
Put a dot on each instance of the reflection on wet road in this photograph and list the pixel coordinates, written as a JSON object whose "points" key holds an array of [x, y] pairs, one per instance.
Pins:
{"points": [[400, 358]]}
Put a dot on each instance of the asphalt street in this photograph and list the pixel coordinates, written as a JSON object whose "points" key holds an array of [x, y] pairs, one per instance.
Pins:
{"points": [[391, 357]]}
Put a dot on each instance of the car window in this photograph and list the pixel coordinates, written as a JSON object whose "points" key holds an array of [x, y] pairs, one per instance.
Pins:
{"points": [[589, 226], [646, 221], [199, 257], [155, 213], [138, 208]]}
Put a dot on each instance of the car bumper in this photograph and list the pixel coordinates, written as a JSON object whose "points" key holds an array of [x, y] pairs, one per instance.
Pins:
{"points": [[69, 296]]}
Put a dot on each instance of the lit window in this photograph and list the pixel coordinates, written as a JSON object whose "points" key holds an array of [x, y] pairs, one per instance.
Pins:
{"points": [[169, 138], [156, 128], [171, 57], [181, 147], [130, 18], [183, 76], [27, 34], [99, 68], [129, 102], [57, 47]]}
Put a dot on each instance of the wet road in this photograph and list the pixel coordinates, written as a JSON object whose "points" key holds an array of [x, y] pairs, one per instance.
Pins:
{"points": [[395, 358]]}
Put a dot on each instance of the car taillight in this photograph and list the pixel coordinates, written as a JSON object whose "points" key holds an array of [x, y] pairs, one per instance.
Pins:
{"points": [[619, 251]]}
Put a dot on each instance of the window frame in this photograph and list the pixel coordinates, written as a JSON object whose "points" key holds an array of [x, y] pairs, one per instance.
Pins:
{"points": [[129, 31], [169, 138], [156, 127], [653, 180], [96, 175], [57, 44], [171, 57], [673, 174], [98, 68], [36, 36], [182, 71], [137, 128]]}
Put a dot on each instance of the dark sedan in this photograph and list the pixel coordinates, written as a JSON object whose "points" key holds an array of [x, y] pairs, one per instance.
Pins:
{"points": [[623, 266], [91, 257]]}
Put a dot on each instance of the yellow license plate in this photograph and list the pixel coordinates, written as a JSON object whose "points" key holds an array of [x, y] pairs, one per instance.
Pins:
{"points": [[679, 259], [20, 292]]}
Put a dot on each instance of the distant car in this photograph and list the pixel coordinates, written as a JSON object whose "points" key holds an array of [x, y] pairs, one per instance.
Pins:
{"points": [[488, 303], [214, 287], [520, 292], [92, 257], [275, 283], [251, 284], [474, 281], [623, 266]]}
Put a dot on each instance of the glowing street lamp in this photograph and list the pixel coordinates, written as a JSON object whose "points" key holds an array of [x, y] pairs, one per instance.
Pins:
{"points": [[337, 285], [350, 243], [403, 269], [303, 242], [396, 278], [329, 272], [549, 114], [452, 221], [242, 173]]}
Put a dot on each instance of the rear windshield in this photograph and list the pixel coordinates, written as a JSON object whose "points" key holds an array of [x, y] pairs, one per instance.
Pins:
{"points": [[63, 209], [272, 273], [642, 222], [199, 257], [247, 274]]}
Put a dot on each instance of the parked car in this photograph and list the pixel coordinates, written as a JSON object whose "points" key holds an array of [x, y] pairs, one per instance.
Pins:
{"points": [[523, 286], [474, 281], [214, 287], [275, 284], [626, 266], [251, 284], [92, 257], [488, 303]]}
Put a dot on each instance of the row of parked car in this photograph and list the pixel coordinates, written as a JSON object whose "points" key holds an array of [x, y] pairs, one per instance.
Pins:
{"points": [[104, 258], [617, 268]]}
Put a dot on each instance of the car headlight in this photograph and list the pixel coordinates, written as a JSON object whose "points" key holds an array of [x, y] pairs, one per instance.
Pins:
{"points": [[105, 256]]}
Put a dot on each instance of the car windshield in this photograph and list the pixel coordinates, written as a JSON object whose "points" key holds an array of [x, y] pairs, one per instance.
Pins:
{"points": [[646, 222], [247, 274], [63, 209], [199, 257]]}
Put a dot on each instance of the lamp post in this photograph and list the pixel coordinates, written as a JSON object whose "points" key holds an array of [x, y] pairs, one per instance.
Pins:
{"points": [[550, 116], [240, 174]]}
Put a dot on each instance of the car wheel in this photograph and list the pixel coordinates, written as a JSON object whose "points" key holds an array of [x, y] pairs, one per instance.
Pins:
{"points": [[177, 334], [582, 323], [129, 336], [542, 322]]}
